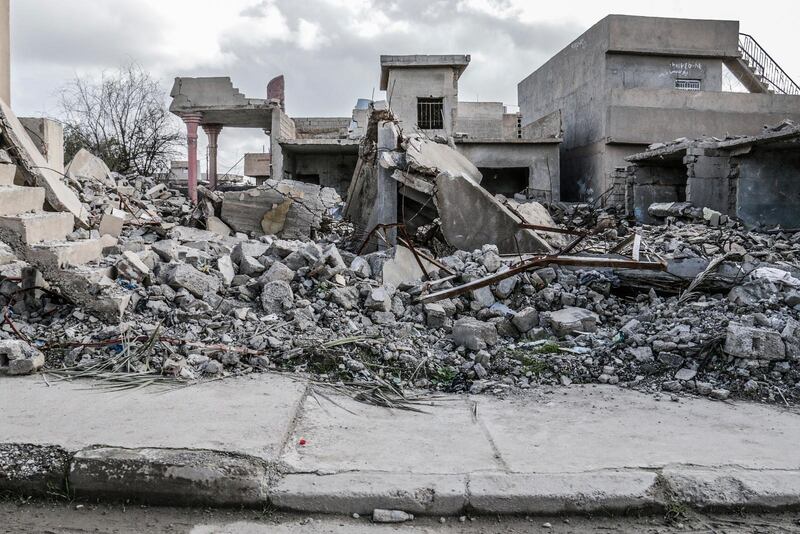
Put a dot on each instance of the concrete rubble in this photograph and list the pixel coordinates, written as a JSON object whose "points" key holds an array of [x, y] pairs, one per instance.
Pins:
{"points": [[276, 279]]}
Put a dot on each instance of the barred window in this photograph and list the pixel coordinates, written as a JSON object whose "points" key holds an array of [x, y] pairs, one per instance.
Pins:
{"points": [[687, 85], [430, 113]]}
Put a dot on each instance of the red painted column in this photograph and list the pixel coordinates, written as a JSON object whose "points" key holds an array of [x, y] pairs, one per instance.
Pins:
{"points": [[212, 131], [192, 120]]}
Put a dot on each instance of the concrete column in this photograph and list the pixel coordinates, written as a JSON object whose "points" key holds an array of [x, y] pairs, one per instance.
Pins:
{"points": [[192, 120], [5, 51], [212, 131], [386, 199]]}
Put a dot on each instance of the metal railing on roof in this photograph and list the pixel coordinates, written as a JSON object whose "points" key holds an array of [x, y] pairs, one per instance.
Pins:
{"points": [[765, 68]]}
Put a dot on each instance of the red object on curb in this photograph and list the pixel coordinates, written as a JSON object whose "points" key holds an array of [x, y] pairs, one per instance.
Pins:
{"points": [[302, 441]]}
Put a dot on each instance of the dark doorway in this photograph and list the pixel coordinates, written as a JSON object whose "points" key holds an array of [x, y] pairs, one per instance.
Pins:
{"points": [[505, 180], [308, 178]]}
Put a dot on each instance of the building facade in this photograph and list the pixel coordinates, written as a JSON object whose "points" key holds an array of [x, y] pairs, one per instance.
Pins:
{"points": [[631, 81]]}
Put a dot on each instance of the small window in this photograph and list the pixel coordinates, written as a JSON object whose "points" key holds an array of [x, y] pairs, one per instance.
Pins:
{"points": [[430, 113], [687, 85]]}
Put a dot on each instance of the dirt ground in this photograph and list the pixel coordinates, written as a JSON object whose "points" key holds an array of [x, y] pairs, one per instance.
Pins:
{"points": [[25, 516]]}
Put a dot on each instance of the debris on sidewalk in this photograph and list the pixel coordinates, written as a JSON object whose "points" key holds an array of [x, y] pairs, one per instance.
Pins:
{"points": [[390, 516]]}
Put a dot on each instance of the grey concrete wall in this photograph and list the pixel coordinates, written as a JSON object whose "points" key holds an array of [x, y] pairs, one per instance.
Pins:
{"points": [[321, 127], [547, 126], [572, 81], [407, 84], [768, 191], [625, 71], [334, 170], [673, 36], [512, 129], [708, 181], [623, 58], [542, 160], [480, 120], [657, 184]]}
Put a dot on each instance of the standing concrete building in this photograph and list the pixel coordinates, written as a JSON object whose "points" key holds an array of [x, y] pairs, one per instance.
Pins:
{"points": [[422, 91], [631, 81]]}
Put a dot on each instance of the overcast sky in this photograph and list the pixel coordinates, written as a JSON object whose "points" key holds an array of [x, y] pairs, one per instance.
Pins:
{"points": [[327, 49]]}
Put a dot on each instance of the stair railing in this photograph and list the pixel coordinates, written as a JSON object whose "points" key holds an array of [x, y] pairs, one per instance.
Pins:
{"points": [[765, 68]]}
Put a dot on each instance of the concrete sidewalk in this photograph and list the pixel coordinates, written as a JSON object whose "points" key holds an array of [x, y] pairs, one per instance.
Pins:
{"points": [[264, 439]]}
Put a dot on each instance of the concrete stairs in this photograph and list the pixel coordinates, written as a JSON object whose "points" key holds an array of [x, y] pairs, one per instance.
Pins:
{"points": [[39, 237]]}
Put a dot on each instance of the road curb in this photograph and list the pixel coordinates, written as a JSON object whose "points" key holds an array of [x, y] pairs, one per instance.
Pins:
{"points": [[362, 492], [733, 488], [169, 476], [616, 492], [31, 469], [188, 477]]}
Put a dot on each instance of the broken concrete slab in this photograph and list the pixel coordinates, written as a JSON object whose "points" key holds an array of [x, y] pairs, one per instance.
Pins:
{"points": [[474, 334], [37, 170], [471, 217], [30, 228], [182, 275], [572, 320], [15, 199], [286, 208], [753, 343], [87, 166], [19, 358], [112, 223], [403, 268]]}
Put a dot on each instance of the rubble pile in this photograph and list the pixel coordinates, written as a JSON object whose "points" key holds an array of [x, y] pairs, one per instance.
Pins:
{"points": [[208, 305]]}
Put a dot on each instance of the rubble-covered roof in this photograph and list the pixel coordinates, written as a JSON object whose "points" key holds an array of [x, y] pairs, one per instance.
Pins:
{"points": [[787, 130]]}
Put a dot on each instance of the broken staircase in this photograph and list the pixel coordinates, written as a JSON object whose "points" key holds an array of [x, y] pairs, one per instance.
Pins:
{"points": [[39, 237]]}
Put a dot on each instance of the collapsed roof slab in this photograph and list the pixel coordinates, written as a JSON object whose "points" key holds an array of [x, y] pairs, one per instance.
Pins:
{"points": [[217, 101]]}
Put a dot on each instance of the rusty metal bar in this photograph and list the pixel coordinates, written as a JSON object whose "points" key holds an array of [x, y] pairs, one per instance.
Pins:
{"points": [[586, 261], [552, 229]]}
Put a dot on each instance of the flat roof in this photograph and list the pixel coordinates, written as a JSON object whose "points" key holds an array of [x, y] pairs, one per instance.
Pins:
{"points": [[514, 141], [320, 146], [388, 62]]}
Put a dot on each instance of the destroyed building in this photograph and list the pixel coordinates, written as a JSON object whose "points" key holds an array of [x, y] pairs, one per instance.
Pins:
{"points": [[754, 178], [631, 81], [422, 92]]}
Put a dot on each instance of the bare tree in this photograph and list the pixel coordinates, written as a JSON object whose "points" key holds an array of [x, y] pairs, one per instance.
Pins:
{"points": [[121, 118]]}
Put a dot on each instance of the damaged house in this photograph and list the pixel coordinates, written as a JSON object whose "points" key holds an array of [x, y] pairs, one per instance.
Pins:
{"points": [[754, 178], [630, 81]]}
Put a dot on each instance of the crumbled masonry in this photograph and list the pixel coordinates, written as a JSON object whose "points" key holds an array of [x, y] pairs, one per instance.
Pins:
{"points": [[271, 280]]}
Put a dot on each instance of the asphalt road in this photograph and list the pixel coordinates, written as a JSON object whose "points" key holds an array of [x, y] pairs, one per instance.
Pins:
{"points": [[27, 516]]}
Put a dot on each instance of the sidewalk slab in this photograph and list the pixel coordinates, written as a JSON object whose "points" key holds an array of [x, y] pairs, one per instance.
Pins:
{"points": [[362, 492], [169, 477], [564, 493], [732, 488], [587, 428], [346, 435], [246, 415]]}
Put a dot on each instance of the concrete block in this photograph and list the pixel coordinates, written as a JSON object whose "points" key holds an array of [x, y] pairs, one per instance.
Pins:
{"points": [[753, 343], [362, 492], [7, 173], [169, 476], [30, 228], [61, 254], [15, 199], [571, 321], [474, 334], [19, 358], [560, 493], [48, 136], [29, 469], [734, 488], [112, 223]]}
